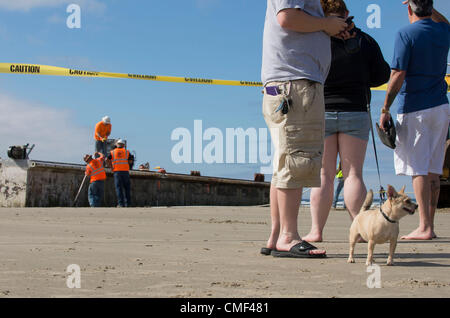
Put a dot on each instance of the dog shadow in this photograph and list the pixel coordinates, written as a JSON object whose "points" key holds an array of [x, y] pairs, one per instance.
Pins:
{"points": [[419, 264], [434, 241], [400, 257]]}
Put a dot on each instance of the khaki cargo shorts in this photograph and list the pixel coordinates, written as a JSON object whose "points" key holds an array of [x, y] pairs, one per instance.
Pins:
{"points": [[297, 136]]}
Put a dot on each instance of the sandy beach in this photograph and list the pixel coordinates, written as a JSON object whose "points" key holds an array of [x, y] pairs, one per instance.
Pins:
{"points": [[202, 252]]}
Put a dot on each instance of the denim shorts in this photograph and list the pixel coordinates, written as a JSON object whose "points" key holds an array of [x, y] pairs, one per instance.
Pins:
{"points": [[356, 124]]}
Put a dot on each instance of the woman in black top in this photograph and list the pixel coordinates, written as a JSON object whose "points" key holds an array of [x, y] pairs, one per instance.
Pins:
{"points": [[357, 65]]}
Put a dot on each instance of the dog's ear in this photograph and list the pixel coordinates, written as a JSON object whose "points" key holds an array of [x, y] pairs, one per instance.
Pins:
{"points": [[402, 191], [391, 193]]}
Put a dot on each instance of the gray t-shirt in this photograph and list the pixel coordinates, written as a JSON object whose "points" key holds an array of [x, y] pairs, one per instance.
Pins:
{"points": [[290, 55]]}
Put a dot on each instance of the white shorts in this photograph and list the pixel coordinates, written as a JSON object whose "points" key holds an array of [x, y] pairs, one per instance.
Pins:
{"points": [[421, 138]]}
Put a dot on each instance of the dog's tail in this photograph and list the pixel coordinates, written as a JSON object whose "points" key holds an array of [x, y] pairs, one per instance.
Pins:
{"points": [[368, 201]]}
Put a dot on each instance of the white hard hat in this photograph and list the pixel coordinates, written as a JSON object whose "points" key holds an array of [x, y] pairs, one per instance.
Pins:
{"points": [[120, 142], [106, 120]]}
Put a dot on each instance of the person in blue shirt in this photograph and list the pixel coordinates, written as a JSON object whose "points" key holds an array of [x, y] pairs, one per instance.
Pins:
{"points": [[418, 79]]}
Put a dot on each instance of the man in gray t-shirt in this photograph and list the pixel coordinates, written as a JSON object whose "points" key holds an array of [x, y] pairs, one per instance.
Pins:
{"points": [[296, 60], [291, 55]]}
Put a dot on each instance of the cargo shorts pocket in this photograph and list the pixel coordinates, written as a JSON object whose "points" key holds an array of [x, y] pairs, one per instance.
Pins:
{"points": [[304, 165], [304, 151], [270, 106]]}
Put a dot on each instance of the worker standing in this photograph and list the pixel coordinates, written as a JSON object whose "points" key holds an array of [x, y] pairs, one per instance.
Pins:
{"points": [[96, 171], [102, 132], [120, 161]]}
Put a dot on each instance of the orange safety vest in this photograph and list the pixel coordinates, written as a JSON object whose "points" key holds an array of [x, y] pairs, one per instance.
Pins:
{"points": [[120, 159], [95, 170]]}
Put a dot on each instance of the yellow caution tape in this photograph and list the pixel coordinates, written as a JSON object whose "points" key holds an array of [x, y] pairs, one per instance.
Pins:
{"points": [[35, 69], [380, 88]]}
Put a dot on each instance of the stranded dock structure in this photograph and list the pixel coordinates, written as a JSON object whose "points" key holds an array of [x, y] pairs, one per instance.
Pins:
{"points": [[33, 183]]}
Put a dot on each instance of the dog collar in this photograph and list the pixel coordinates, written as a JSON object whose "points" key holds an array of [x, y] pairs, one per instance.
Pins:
{"points": [[386, 217]]}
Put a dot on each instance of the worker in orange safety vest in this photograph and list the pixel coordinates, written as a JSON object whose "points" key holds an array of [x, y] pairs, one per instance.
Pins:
{"points": [[97, 174], [120, 160], [102, 132]]}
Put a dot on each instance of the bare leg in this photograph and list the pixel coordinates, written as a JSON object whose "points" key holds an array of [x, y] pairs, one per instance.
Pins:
{"points": [[422, 189], [288, 204], [322, 198], [434, 198], [352, 151], [392, 246], [275, 218]]}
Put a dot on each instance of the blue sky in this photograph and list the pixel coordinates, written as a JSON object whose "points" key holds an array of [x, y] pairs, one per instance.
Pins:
{"points": [[219, 39]]}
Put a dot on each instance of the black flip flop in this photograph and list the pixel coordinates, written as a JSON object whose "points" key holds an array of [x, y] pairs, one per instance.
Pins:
{"points": [[266, 251], [300, 250]]}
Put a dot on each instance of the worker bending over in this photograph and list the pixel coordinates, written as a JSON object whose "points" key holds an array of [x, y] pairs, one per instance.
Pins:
{"points": [[102, 132], [95, 170]]}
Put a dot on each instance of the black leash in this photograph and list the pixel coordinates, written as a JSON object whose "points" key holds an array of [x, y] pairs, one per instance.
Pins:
{"points": [[382, 191]]}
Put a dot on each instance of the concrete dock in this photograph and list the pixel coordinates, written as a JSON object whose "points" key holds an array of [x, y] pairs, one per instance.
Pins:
{"points": [[34, 183], [202, 252]]}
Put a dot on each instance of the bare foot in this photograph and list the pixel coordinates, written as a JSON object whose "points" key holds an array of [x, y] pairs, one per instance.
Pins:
{"points": [[270, 244], [311, 237], [272, 241], [317, 252], [418, 235], [286, 246]]}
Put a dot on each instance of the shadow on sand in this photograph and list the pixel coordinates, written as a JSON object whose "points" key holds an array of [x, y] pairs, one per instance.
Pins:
{"points": [[400, 257]]}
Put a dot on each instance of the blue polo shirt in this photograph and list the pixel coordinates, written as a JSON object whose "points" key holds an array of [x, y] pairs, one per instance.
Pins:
{"points": [[421, 49]]}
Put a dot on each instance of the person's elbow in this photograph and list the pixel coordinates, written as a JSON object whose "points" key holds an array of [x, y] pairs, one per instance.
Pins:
{"points": [[284, 18], [397, 79], [398, 75]]}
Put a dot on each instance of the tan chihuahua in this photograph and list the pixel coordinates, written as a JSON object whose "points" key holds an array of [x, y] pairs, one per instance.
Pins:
{"points": [[380, 225]]}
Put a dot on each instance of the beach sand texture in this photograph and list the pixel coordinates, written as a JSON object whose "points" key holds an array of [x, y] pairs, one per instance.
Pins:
{"points": [[202, 252]]}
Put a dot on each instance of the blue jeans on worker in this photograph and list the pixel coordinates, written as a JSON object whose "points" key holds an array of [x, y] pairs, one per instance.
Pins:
{"points": [[123, 188], [100, 146], [95, 193]]}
